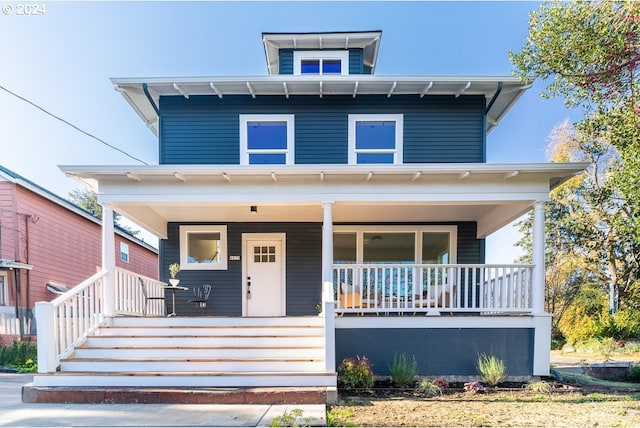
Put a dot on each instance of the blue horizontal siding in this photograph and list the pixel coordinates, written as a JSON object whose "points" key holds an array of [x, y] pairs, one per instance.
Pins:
{"points": [[356, 61], [205, 129], [303, 269], [439, 352], [285, 61]]}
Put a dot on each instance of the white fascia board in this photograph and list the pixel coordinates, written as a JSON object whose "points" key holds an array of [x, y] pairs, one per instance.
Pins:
{"points": [[125, 81], [288, 192], [99, 172]]}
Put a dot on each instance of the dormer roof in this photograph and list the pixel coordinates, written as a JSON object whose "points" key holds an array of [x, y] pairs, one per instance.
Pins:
{"points": [[368, 41]]}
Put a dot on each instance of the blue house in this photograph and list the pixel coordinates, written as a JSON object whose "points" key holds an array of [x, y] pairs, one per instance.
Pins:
{"points": [[335, 212]]}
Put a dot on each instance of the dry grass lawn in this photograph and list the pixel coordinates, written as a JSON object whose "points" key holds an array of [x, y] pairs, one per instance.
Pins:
{"points": [[504, 409]]}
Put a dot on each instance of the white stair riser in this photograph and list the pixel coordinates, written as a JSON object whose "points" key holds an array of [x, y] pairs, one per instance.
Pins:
{"points": [[185, 381], [217, 331], [190, 366], [125, 342], [163, 353], [216, 322]]}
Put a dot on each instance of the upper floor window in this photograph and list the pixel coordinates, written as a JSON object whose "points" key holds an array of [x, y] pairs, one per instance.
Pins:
{"points": [[321, 62], [266, 139], [124, 252], [375, 138], [4, 290]]}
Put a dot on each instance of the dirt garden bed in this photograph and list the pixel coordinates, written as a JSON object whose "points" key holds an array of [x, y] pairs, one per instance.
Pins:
{"points": [[590, 403]]}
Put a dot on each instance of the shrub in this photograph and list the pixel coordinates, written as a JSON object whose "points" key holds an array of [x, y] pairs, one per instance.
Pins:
{"points": [[442, 384], [584, 317], [633, 375], [473, 387], [626, 324], [403, 370], [429, 387], [355, 373], [492, 369], [20, 355], [539, 387]]}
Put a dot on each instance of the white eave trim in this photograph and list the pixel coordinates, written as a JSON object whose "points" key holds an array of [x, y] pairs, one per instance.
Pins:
{"points": [[413, 172]]}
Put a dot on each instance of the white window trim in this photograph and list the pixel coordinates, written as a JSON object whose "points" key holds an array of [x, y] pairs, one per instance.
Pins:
{"points": [[184, 257], [5, 289], [397, 152], [342, 55], [289, 151], [417, 230], [124, 249]]}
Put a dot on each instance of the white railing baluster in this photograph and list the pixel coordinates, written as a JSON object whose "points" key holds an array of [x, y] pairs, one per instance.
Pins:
{"points": [[418, 288], [65, 322]]}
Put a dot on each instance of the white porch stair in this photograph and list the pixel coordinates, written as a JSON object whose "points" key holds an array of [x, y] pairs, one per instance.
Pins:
{"points": [[211, 352]]}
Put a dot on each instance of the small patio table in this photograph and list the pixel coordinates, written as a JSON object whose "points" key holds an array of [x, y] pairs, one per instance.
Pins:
{"points": [[173, 289]]}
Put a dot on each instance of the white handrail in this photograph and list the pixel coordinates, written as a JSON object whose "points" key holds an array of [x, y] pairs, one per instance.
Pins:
{"points": [[129, 298], [65, 322], [431, 288]]}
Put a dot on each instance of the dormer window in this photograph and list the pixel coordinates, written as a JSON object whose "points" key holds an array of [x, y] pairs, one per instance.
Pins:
{"points": [[321, 62]]}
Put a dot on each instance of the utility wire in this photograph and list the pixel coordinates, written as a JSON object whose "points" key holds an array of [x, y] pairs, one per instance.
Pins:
{"points": [[72, 125]]}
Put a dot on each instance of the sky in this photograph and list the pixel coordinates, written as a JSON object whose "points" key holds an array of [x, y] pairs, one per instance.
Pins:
{"points": [[62, 60]]}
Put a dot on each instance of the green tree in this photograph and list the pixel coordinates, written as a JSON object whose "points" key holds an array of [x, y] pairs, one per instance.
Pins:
{"points": [[587, 227], [589, 52], [88, 200]]}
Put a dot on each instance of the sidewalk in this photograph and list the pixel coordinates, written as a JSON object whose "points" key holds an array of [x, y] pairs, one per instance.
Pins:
{"points": [[14, 413]]}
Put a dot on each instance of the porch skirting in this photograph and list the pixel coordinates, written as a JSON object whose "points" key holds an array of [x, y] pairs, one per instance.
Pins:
{"points": [[443, 346]]}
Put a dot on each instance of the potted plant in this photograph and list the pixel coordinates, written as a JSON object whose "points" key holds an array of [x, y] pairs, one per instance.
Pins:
{"points": [[174, 268]]}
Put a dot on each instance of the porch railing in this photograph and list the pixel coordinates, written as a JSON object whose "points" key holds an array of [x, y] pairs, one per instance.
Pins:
{"points": [[129, 297], [432, 289], [65, 322]]}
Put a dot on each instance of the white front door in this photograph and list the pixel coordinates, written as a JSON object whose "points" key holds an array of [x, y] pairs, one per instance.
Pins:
{"points": [[264, 275]]}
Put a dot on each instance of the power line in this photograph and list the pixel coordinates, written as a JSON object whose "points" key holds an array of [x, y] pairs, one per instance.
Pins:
{"points": [[72, 125]]}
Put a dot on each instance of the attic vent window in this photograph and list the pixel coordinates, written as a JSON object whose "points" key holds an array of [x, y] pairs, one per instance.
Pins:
{"points": [[321, 62]]}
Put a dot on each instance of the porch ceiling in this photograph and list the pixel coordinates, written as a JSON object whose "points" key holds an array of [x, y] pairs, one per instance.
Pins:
{"points": [[490, 194]]}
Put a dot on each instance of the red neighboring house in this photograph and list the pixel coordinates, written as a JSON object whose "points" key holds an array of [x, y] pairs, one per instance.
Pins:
{"points": [[48, 244]]}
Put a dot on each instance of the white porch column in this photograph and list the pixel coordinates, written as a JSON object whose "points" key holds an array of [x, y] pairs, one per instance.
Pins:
{"points": [[538, 275], [541, 320], [108, 261], [328, 306], [327, 242]]}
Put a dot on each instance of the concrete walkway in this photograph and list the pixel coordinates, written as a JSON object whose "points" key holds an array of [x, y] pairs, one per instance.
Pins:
{"points": [[14, 413]]}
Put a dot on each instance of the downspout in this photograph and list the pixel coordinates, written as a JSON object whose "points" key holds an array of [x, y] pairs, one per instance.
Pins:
{"points": [[494, 98], [145, 88]]}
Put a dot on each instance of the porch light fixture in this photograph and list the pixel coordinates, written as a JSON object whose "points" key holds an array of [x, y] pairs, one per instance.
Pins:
{"points": [[254, 210]]}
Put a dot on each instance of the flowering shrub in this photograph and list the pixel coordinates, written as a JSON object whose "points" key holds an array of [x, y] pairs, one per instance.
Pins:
{"points": [[473, 387], [441, 383], [355, 373]]}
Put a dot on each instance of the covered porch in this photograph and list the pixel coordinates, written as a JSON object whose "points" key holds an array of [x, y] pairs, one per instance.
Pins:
{"points": [[315, 209]]}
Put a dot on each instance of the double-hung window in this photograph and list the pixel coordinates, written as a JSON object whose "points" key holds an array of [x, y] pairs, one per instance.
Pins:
{"points": [[321, 62], [124, 252], [375, 138], [4, 290], [267, 139]]}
